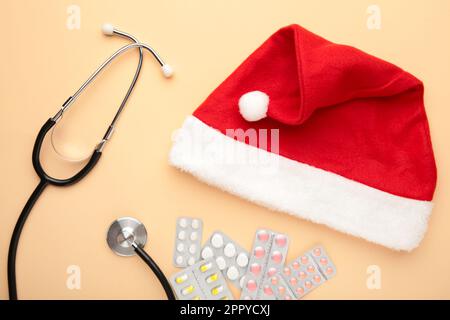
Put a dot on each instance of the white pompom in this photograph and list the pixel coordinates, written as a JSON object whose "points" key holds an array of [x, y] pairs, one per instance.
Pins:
{"points": [[253, 105], [108, 29], [167, 70]]}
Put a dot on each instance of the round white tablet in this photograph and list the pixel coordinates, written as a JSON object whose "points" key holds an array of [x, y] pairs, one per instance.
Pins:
{"points": [[195, 223], [242, 259], [242, 281], [217, 240], [194, 236], [180, 247], [182, 235], [191, 261], [207, 253], [232, 273], [229, 250], [179, 260], [192, 248], [221, 263], [183, 223]]}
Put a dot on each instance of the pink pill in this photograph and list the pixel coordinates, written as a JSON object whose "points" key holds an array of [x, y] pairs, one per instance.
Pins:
{"points": [[300, 290], [317, 252], [311, 269], [251, 285], [259, 252], [302, 274], [277, 256], [308, 284], [280, 240], [287, 298], [287, 271], [281, 289], [295, 265], [293, 281], [271, 272], [317, 278], [304, 259], [323, 261], [263, 235], [329, 270], [247, 298], [274, 280], [268, 290], [255, 268]]}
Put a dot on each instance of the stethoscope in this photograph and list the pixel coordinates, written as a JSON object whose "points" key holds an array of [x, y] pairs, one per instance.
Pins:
{"points": [[136, 244]]}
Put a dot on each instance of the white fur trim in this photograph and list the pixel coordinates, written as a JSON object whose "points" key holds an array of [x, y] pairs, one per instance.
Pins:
{"points": [[300, 189], [253, 105]]}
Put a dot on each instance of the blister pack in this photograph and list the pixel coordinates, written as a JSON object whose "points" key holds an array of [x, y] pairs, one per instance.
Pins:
{"points": [[230, 257], [266, 260], [301, 276], [187, 242], [201, 281]]}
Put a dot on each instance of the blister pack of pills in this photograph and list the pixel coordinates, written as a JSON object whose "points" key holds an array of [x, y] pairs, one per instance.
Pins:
{"points": [[187, 242], [201, 281], [266, 260], [300, 277], [231, 258]]}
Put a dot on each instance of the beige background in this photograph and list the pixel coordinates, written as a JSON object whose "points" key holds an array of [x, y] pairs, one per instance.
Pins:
{"points": [[42, 63]]}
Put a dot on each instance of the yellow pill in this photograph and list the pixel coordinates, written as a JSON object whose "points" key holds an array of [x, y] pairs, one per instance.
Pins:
{"points": [[212, 278], [224, 298], [205, 267], [215, 291], [187, 290], [181, 279], [196, 298]]}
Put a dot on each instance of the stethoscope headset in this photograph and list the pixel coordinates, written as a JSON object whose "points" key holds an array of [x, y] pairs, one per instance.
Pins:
{"points": [[126, 236]]}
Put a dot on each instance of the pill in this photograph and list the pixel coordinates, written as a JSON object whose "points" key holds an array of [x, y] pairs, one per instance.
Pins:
{"points": [[187, 290], [274, 280], [181, 279], [287, 271], [180, 247], [205, 267], [263, 235], [308, 284], [182, 235], [317, 252], [300, 290], [191, 261], [232, 273], [282, 289], [196, 298], [212, 278], [323, 261], [179, 259], [192, 248], [287, 297], [277, 256], [194, 236], [242, 259], [280, 240], [295, 265], [302, 274], [329, 270], [255, 268], [195, 224], [229, 250], [221, 263], [317, 278], [242, 282], [215, 291], [207, 253], [311, 269], [259, 252], [251, 285], [183, 223], [293, 281], [304, 259], [268, 290], [271, 272], [217, 240]]}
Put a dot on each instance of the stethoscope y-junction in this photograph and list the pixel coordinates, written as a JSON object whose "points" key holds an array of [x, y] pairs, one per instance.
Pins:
{"points": [[46, 179]]}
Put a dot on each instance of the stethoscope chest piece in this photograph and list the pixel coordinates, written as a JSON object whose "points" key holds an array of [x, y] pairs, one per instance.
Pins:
{"points": [[123, 233]]}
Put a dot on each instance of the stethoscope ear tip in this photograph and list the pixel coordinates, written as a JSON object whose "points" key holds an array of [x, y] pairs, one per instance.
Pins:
{"points": [[108, 29], [167, 70]]}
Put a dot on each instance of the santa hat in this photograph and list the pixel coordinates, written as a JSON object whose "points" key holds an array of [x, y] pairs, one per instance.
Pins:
{"points": [[328, 133]]}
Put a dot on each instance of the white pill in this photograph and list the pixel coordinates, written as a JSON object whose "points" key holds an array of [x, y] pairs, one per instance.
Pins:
{"points": [[195, 223], [192, 248], [221, 263], [242, 281], [207, 253], [180, 247], [191, 261], [179, 260], [229, 250], [232, 273], [217, 240], [183, 223], [182, 235], [194, 236], [242, 259]]}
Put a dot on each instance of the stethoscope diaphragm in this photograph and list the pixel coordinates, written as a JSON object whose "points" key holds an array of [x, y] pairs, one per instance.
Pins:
{"points": [[123, 232]]}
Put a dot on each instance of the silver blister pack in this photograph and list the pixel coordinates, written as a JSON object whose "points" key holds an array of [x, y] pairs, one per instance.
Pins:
{"points": [[187, 241]]}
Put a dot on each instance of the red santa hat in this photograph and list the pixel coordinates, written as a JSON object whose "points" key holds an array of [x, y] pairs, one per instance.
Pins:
{"points": [[327, 132]]}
